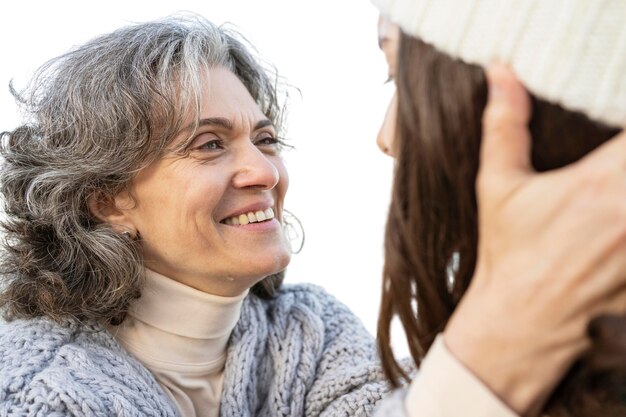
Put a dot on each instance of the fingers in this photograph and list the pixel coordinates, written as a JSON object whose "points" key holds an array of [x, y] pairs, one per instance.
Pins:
{"points": [[506, 141]]}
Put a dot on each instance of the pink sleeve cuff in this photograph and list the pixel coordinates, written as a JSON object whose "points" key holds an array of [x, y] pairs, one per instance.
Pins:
{"points": [[443, 387]]}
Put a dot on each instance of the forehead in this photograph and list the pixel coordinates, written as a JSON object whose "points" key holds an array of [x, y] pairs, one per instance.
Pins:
{"points": [[224, 95], [387, 32]]}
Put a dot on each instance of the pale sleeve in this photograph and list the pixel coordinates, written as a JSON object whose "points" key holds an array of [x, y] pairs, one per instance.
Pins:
{"points": [[443, 387]]}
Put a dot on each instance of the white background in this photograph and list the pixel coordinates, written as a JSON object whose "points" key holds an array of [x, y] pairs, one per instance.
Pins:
{"points": [[327, 49]]}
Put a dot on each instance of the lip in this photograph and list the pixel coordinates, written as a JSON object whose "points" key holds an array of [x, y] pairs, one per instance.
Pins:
{"points": [[259, 206]]}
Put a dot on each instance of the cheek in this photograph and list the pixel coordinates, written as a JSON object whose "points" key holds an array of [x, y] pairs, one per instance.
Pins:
{"points": [[283, 179], [179, 196], [283, 182]]}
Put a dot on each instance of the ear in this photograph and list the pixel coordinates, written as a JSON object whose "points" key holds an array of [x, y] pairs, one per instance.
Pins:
{"points": [[113, 210]]}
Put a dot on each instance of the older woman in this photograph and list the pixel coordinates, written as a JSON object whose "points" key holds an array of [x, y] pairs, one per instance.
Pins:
{"points": [[151, 166]]}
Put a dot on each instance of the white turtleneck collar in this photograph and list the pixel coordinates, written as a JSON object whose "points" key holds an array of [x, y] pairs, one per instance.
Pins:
{"points": [[180, 334]]}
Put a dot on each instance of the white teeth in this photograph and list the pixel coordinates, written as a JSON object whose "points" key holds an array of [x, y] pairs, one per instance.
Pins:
{"points": [[251, 217]]}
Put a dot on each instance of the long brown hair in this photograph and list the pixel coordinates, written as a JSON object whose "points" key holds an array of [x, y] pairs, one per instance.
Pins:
{"points": [[432, 231]]}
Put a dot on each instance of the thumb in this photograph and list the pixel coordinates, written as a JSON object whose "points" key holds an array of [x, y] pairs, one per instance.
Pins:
{"points": [[505, 147]]}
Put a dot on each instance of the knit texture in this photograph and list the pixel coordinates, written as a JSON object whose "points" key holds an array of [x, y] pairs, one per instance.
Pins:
{"points": [[569, 52], [393, 405], [301, 353], [72, 369]]}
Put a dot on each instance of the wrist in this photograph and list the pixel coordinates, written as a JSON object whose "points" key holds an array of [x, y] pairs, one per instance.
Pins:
{"points": [[518, 365]]}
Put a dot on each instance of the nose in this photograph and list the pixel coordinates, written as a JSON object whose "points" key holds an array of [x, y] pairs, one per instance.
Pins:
{"points": [[387, 133], [255, 170]]}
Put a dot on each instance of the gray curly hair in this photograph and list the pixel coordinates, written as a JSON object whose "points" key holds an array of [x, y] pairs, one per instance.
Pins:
{"points": [[100, 113]]}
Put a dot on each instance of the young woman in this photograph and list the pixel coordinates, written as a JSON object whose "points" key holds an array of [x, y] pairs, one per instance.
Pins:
{"points": [[452, 228]]}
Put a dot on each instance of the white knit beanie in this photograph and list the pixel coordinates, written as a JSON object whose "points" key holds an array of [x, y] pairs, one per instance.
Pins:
{"points": [[569, 52]]}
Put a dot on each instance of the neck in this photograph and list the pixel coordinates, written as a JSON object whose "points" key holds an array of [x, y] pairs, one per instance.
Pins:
{"points": [[173, 323]]}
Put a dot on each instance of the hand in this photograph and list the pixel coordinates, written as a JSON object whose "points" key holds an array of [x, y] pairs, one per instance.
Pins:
{"points": [[551, 256]]}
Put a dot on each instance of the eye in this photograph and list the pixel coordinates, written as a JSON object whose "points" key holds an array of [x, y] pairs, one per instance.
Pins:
{"points": [[208, 142], [212, 145], [267, 139]]}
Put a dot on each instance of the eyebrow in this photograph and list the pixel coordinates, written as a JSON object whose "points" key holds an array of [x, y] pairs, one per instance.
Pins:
{"points": [[227, 124]]}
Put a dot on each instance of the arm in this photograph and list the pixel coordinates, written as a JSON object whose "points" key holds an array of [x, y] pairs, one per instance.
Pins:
{"points": [[443, 388], [446, 388], [550, 256]]}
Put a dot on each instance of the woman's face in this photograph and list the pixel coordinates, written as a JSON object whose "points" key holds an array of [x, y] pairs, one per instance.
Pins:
{"points": [[211, 218], [389, 41]]}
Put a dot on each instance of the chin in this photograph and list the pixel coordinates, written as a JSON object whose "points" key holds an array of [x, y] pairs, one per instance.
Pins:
{"points": [[274, 263], [285, 260]]}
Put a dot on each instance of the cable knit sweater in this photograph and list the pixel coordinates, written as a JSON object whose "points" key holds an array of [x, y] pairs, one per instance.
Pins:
{"points": [[301, 353]]}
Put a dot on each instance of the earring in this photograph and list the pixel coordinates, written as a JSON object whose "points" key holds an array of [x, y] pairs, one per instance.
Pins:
{"points": [[293, 230], [127, 234]]}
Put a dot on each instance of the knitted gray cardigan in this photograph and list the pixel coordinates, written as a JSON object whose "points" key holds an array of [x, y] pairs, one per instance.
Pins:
{"points": [[301, 353]]}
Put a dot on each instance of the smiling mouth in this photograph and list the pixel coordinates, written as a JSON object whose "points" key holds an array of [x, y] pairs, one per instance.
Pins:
{"points": [[251, 217]]}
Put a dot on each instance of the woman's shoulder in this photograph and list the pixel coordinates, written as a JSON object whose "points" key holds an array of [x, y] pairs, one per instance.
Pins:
{"points": [[312, 304], [304, 288], [305, 291], [36, 342], [310, 297], [41, 339], [72, 368], [305, 346]]}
